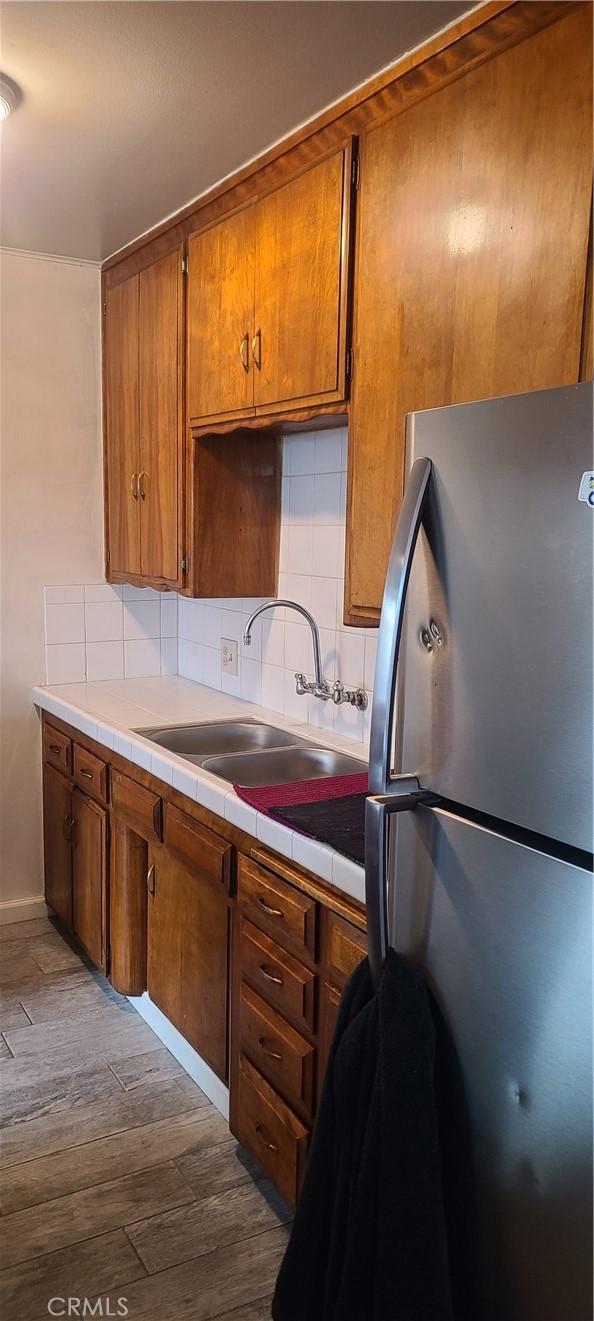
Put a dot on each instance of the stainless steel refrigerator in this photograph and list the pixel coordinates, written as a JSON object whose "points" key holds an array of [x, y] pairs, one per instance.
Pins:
{"points": [[479, 824]]}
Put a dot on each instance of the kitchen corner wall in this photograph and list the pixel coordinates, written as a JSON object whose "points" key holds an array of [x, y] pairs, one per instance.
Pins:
{"points": [[311, 573], [51, 520]]}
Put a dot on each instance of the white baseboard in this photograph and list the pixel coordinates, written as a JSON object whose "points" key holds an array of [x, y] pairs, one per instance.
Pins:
{"points": [[20, 910], [189, 1058]]}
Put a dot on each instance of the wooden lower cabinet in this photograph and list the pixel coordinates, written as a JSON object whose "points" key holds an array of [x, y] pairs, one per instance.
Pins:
{"points": [[153, 892], [188, 953], [271, 1131], [89, 876], [57, 828]]}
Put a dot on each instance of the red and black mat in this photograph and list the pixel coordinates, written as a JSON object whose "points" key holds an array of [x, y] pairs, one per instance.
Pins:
{"points": [[329, 810]]}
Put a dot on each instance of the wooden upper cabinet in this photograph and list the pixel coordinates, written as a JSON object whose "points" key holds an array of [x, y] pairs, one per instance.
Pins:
{"points": [[267, 300], [472, 240], [221, 318], [122, 439], [144, 437], [160, 355], [299, 348]]}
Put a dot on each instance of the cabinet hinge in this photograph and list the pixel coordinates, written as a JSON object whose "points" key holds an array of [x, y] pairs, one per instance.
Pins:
{"points": [[107, 831], [185, 564], [105, 309], [355, 172], [107, 556], [350, 364], [184, 265]]}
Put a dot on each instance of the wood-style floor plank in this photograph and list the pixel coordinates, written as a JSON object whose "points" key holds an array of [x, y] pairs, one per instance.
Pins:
{"points": [[72, 1219], [260, 1311], [217, 1168], [196, 1229], [50, 1001], [106, 1158], [106, 1147], [102, 1265], [72, 1128], [155, 1066], [34, 927], [211, 1286], [28, 1097], [12, 1014]]}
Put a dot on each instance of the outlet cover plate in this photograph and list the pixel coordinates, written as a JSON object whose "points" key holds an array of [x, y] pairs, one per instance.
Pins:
{"points": [[229, 650]]}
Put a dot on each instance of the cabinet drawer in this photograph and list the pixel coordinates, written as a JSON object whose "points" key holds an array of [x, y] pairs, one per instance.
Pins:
{"points": [[276, 975], [271, 1132], [90, 773], [57, 748], [346, 947], [282, 1056], [137, 806], [198, 847], [279, 908]]}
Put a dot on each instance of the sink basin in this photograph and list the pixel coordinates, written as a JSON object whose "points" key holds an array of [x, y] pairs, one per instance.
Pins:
{"points": [[281, 765], [195, 742]]}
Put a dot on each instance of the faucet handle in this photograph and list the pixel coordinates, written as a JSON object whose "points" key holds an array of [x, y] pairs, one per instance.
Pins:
{"points": [[302, 686]]}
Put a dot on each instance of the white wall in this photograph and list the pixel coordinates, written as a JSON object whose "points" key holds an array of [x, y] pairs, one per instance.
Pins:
{"points": [[51, 513], [311, 573]]}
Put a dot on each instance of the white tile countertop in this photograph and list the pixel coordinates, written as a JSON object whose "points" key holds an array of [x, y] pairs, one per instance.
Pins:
{"points": [[114, 711]]}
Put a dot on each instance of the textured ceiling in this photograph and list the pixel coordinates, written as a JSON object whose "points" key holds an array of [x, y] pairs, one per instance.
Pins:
{"points": [[130, 110]]}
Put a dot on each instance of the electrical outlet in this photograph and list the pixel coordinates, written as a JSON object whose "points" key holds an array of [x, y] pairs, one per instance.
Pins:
{"points": [[228, 656]]}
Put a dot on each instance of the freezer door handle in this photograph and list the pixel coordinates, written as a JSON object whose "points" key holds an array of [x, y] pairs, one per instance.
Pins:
{"points": [[390, 629], [405, 794]]}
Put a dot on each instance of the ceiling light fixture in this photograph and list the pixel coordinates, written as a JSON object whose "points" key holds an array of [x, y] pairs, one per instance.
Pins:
{"points": [[10, 95]]}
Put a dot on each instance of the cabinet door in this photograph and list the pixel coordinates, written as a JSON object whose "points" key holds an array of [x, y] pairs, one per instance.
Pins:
{"points": [[57, 824], [301, 270], [160, 353], [122, 427], [221, 318], [472, 242], [188, 938], [89, 876]]}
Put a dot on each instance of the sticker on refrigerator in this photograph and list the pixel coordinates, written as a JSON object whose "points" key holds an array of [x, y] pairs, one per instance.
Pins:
{"points": [[586, 491]]}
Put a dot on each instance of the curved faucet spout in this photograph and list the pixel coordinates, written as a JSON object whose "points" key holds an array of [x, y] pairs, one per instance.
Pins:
{"points": [[321, 685]]}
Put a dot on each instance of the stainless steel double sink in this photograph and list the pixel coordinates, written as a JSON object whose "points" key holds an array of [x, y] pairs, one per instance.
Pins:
{"points": [[251, 753]]}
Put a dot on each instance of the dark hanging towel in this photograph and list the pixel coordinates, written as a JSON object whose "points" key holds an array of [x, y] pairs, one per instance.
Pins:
{"points": [[369, 1237]]}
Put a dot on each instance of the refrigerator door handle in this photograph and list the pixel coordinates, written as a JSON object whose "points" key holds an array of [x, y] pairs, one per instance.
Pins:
{"points": [[390, 629], [405, 794]]}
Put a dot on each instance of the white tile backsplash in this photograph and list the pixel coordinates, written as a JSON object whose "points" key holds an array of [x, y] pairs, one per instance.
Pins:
{"points": [[97, 631]]}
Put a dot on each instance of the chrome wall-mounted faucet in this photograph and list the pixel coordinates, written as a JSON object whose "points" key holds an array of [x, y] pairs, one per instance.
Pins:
{"points": [[320, 686]]}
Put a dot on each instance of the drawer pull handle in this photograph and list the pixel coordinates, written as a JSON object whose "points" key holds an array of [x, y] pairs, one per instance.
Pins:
{"points": [[272, 1054], [272, 912], [88, 775], [270, 976], [55, 748], [264, 1139]]}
